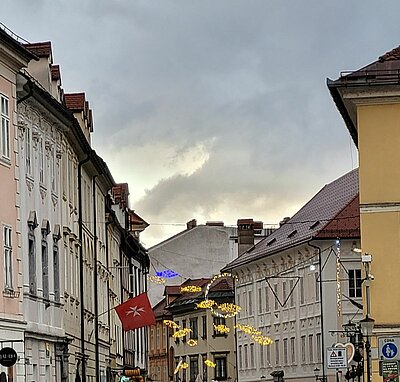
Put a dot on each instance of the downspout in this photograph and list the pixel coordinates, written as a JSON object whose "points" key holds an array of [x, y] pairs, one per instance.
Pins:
{"points": [[81, 280], [95, 275], [108, 292], [30, 92], [324, 378]]}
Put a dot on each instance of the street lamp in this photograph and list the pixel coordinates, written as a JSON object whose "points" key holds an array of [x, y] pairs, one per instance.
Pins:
{"points": [[367, 327]]}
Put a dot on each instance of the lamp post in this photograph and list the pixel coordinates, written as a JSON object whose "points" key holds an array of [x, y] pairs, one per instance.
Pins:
{"points": [[367, 326]]}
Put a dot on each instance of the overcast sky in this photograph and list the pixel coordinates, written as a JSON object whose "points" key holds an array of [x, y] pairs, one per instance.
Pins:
{"points": [[214, 110]]}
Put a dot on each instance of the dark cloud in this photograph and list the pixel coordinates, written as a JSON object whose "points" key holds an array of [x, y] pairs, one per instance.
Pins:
{"points": [[242, 79]]}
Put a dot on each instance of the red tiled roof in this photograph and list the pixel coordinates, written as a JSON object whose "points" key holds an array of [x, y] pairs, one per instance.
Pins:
{"points": [[55, 72], [75, 101], [393, 54], [121, 192], [321, 215], [172, 289], [159, 310], [40, 49]]}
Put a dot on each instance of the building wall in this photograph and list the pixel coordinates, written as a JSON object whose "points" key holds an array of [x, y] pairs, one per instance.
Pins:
{"points": [[295, 327]]}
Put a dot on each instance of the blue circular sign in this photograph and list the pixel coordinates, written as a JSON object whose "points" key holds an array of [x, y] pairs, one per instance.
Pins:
{"points": [[389, 350]]}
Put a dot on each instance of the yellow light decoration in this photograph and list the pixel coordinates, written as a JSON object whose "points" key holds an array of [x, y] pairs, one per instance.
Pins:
{"points": [[213, 311], [171, 324], [192, 342], [181, 333], [206, 304], [248, 329], [262, 340], [190, 289], [184, 365], [156, 279], [222, 328], [230, 308], [209, 363]]}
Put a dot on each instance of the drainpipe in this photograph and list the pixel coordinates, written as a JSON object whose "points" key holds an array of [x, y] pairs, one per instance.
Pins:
{"points": [[324, 378], [95, 276], [81, 280], [108, 293], [30, 92]]}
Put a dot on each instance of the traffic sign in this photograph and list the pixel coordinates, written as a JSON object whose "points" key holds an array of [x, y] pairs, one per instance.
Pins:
{"points": [[389, 348], [337, 358]]}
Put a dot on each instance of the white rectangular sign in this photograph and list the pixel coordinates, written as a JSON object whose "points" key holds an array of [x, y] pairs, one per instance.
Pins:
{"points": [[337, 358]]}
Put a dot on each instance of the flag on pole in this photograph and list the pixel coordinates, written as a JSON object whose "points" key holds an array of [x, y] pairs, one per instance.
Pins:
{"points": [[136, 312]]}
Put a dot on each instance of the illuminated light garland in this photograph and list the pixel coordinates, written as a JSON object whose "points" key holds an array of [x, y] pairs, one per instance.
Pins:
{"points": [[190, 289], [181, 333], [168, 274], [209, 363], [221, 328], [213, 311], [192, 342], [156, 279], [206, 304], [248, 329], [262, 340], [230, 308], [338, 281], [171, 324], [184, 365]]}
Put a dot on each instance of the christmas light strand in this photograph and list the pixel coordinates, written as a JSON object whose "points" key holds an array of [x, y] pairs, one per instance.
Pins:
{"points": [[181, 333], [190, 289], [209, 363], [206, 304], [156, 279], [171, 324], [192, 342], [221, 328]]}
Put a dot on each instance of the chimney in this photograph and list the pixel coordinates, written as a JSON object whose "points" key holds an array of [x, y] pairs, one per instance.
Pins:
{"points": [[215, 223], [284, 221], [245, 235], [191, 224]]}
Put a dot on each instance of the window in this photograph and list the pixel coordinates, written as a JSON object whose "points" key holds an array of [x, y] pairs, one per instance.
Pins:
{"points": [[301, 290], [277, 358], [220, 368], [267, 299], [317, 286], [252, 356], [311, 348], [269, 356], [56, 265], [291, 285], [53, 172], [238, 302], [262, 363], [284, 292], [303, 349], [194, 334], [246, 357], [28, 151], [41, 161], [194, 368], [250, 303], [32, 263], [240, 355], [8, 285], [176, 365], [204, 324], [152, 348], [285, 351], [318, 338], [5, 128], [260, 304], [293, 350], [184, 326], [203, 359], [184, 370], [355, 283], [45, 270], [158, 344], [219, 321], [276, 307]]}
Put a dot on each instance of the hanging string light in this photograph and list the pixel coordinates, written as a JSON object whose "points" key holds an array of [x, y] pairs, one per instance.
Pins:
{"points": [[192, 342], [230, 308], [156, 279], [171, 324], [221, 328], [248, 329], [232, 311], [262, 340], [190, 289], [206, 304], [209, 363], [184, 365], [181, 332]]}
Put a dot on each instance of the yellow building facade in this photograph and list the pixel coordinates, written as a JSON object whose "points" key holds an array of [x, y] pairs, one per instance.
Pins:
{"points": [[369, 102]]}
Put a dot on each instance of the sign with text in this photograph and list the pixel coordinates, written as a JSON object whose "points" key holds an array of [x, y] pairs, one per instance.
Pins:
{"points": [[337, 358], [389, 348], [390, 371]]}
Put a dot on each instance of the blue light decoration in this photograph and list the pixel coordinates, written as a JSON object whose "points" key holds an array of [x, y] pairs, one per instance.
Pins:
{"points": [[167, 273]]}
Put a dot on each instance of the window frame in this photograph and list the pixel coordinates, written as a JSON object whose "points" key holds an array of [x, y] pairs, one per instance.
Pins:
{"points": [[8, 261], [5, 128]]}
